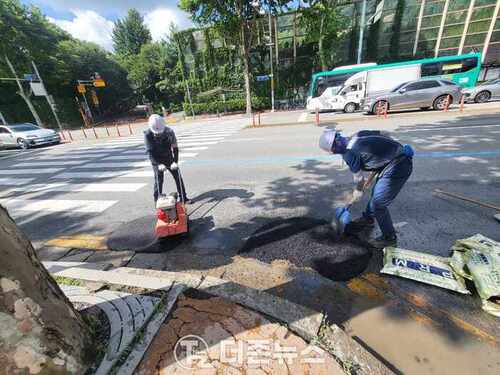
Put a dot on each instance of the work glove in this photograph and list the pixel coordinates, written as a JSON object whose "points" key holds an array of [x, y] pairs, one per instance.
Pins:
{"points": [[174, 166], [162, 167]]}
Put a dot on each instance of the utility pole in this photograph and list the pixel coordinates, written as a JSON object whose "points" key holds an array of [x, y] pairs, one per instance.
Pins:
{"points": [[361, 31], [271, 58], [51, 103], [2, 119], [23, 95]]}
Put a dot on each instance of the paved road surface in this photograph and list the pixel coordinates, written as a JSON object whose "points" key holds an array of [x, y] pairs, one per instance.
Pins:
{"points": [[261, 184]]}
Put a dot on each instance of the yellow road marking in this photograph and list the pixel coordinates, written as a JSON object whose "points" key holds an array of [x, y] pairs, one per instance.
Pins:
{"points": [[81, 241]]}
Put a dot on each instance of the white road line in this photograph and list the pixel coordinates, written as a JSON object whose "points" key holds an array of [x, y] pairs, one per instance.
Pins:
{"points": [[103, 174], [30, 171], [43, 163], [200, 139], [138, 164], [15, 181], [70, 156], [187, 144], [58, 205], [125, 157], [93, 187], [303, 117], [193, 149]]}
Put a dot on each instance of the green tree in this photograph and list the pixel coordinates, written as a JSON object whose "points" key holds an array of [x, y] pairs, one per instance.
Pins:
{"points": [[130, 34], [325, 25], [233, 19], [26, 36]]}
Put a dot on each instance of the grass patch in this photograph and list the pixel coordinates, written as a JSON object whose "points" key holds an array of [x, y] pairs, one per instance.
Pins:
{"points": [[68, 281]]}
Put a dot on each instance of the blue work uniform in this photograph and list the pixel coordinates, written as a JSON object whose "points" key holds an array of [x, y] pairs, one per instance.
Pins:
{"points": [[373, 152]]}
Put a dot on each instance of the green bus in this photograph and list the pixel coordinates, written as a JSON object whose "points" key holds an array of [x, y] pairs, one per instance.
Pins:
{"points": [[461, 69]]}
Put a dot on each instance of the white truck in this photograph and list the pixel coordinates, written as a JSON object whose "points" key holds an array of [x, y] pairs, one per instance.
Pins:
{"points": [[364, 84]]}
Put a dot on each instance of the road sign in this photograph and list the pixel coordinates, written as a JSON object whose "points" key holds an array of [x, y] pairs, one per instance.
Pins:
{"points": [[38, 89], [31, 77], [81, 89], [263, 78], [99, 83]]}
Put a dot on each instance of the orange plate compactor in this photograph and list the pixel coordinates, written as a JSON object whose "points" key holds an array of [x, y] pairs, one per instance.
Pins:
{"points": [[172, 216]]}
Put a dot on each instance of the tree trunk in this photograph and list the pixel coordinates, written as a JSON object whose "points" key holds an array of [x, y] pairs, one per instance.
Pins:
{"points": [[40, 332], [246, 68], [322, 57]]}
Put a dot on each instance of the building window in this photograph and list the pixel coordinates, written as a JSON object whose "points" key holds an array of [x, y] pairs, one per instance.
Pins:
{"points": [[478, 27], [483, 13]]}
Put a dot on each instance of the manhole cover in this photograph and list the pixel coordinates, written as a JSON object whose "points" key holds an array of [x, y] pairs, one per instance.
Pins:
{"points": [[138, 235], [308, 242]]}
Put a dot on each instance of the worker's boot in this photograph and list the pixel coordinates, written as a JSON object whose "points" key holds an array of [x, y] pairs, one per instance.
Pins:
{"points": [[383, 241]]}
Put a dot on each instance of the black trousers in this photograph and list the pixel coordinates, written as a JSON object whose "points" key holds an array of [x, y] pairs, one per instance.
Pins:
{"points": [[158, 186]]}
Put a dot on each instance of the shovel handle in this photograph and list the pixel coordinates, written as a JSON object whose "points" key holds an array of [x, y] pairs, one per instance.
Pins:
{"points": [[453, 195]]}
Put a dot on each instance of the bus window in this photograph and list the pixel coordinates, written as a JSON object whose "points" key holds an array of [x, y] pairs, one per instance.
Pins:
{"points": [[333, 80], [431, 69], [469, 64]]}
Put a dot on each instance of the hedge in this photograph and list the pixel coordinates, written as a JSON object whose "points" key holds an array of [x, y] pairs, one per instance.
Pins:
{"points": [[231, 105]]}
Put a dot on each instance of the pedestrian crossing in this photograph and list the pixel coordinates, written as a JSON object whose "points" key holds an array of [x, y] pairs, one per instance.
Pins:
{"points": [[65, 179]]}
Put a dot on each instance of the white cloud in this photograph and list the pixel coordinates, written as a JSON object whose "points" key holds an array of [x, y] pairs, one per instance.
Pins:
{"points": [[158, 21], [89, 26]]}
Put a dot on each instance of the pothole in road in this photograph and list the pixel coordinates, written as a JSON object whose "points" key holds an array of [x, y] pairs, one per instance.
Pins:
{"points": [[308, 242]]}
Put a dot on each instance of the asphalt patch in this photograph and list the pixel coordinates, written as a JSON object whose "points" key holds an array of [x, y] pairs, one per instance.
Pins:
{"points": [[139, 236], [308, 242]]}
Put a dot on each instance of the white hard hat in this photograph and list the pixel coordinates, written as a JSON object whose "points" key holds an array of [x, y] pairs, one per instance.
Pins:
{"points": [[326, 140], [156, 124]]}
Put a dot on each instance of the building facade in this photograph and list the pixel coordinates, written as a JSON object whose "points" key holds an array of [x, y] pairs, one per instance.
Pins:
{"points": [[395, 30]]}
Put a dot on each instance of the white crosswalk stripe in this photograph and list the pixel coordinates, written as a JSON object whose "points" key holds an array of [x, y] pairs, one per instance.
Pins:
{"points": [[92, 187], [15, 181], [58, 205], [27, 172], [42, 163], [65, 180]]}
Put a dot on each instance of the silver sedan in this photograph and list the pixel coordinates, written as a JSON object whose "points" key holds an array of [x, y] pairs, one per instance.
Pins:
{"points": [[26, 135], [423, 94], [483, 92]]}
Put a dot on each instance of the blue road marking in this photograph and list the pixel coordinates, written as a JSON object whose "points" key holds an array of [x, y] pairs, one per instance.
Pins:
{"points": [[320, 158]]}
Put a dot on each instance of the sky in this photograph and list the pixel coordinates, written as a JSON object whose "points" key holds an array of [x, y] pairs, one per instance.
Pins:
{"points": [[92, 20]]}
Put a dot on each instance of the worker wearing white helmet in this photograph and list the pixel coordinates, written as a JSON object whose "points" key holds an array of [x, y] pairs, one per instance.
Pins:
{"points": [[161, 146]]}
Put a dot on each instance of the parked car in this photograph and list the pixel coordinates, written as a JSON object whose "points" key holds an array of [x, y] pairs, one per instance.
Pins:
{"points": [[483, 92], [26, 135], [422, 93]]}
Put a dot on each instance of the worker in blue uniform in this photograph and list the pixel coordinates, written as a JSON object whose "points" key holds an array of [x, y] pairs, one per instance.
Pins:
{"points": [[372, 151]]}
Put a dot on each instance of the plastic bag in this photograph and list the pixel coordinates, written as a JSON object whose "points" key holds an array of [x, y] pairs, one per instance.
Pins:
{"points": [[426, 268]]}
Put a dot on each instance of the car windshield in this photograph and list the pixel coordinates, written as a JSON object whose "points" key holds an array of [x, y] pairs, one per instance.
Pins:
{"points": [[24, 128], [398, 87]]}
